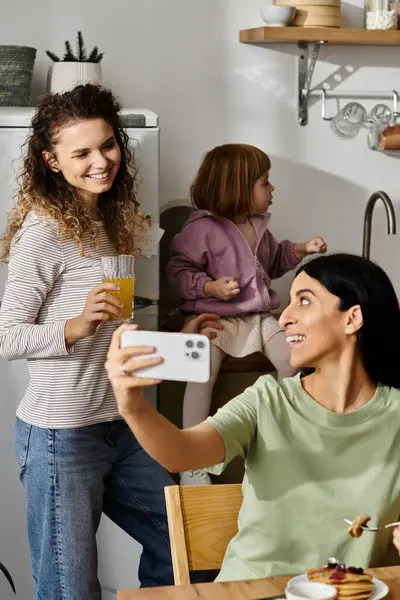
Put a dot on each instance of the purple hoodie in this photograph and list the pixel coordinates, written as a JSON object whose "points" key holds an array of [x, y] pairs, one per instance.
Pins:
{"points": [[210, 247]]}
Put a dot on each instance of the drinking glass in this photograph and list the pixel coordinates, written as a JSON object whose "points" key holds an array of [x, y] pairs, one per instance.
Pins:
{"points": [[381, 114], [348, 122], [121, 271]]}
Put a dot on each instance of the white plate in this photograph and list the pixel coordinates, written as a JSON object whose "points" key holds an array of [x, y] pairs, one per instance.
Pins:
{"points": [[380, 589]]}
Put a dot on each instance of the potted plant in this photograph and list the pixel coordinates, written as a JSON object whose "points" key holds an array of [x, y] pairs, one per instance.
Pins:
{"points": [[74, 69], [8, 576]]}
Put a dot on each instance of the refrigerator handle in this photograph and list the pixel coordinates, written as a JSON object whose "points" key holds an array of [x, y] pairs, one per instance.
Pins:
{"points": [[140, 303]]}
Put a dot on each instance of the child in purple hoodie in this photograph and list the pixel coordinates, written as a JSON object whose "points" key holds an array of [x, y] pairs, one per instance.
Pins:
{"points": [[223, 262]]}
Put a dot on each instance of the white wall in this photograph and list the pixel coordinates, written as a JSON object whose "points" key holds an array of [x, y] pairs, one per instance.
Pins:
{"points": [[182, 59]]}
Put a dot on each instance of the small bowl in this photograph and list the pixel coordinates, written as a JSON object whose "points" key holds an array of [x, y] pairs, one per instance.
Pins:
{"points": [[310, 590], [277, 16]]}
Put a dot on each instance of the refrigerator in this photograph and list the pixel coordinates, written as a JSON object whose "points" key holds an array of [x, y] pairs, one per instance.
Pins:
{"points": [[118, 553]]}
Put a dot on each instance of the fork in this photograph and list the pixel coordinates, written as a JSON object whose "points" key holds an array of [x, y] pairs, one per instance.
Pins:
{"points": [[373, 529]]}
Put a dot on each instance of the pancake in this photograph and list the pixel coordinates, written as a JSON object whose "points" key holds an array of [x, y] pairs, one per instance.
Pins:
{"points": [[351, 583], [355, 529]]}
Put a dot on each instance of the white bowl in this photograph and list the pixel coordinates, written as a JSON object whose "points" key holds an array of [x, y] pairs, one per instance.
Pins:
{"points": [[310, 590], [277, 16]]}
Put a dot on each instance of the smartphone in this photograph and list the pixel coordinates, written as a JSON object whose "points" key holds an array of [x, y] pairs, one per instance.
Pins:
{"points": [[186, 355]]}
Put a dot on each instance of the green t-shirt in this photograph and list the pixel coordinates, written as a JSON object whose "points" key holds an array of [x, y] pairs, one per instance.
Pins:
{"points": [[307, 469]]}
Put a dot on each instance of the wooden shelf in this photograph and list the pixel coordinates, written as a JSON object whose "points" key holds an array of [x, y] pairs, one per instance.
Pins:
{"points": [[340, 35]]}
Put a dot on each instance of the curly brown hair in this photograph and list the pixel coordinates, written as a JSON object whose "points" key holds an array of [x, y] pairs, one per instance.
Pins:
{"points": [[49, 194], [226, 177]]}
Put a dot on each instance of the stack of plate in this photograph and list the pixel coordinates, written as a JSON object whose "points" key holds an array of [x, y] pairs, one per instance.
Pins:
{"points": [[314, 13]]}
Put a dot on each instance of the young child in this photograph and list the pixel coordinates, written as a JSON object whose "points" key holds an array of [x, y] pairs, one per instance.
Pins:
{"points": [[223, 261]]}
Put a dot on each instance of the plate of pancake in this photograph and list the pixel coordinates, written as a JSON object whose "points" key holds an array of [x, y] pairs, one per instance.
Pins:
{"points": [[351, 583]]}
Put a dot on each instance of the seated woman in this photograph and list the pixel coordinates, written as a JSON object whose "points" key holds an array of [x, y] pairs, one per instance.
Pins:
{"points": [[318, 448]]}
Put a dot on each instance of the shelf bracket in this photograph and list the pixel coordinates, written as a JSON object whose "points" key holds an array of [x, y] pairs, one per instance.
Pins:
{"points": [[306, 70]]}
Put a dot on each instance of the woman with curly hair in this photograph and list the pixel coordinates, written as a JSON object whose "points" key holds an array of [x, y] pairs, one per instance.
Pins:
{"points": [[76, 457]]}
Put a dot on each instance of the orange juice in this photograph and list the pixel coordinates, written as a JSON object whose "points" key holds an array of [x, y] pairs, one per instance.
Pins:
{"points": [[125, 294]]}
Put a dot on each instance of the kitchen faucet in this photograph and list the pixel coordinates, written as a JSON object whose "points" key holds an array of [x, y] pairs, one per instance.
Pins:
{"points": [[369, 209]]}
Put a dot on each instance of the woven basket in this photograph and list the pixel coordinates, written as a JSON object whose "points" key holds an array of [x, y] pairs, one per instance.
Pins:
{"points": [[16, 68]]}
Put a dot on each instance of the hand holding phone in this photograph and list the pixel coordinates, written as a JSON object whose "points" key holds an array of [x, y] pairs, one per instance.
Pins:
{"points": [[186, 356]]}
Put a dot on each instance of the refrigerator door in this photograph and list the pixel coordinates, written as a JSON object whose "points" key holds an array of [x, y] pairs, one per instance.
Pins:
{"points": [[11, 142], [145, 143], [14, 380], [16, 116]]}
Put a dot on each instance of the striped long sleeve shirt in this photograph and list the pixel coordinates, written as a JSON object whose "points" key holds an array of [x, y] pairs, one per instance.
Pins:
{"points": [[48, 283]]}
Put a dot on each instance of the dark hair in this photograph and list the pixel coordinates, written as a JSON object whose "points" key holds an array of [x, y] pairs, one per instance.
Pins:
{"points": [[49, 193], [359, 281], [226, 177]]}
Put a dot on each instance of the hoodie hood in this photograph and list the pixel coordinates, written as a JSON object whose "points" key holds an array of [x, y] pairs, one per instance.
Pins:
{"points": [[205, 214]]}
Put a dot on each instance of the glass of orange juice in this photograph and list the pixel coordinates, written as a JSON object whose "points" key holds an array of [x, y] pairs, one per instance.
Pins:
{"points": [[121, 271]]}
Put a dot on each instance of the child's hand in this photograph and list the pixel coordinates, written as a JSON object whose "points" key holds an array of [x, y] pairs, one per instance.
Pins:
{"points": [[201, 322], [224, 288], [316, 245]]}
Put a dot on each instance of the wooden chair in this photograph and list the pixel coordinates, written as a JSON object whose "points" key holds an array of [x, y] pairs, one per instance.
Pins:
{"points": [[201, 520]]}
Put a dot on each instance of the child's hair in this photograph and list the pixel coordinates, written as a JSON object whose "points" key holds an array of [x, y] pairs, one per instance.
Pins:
{"points": [[224, 183], [49, 194]]}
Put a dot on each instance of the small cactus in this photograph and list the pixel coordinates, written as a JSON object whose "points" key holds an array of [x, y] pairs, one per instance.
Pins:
{"points": [[69, 55], [81, 53], [53, 56]]}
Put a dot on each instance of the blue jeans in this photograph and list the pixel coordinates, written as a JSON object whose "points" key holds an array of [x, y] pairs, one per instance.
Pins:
{"points": [[70, 477]]}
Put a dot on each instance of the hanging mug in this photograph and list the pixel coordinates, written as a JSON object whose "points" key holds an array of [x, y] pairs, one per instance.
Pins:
{"points": [[348, 122]]}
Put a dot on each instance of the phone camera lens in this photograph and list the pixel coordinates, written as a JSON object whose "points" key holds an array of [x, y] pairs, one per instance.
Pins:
{"points": [[195, 355], [189, 344], [200, 344]]}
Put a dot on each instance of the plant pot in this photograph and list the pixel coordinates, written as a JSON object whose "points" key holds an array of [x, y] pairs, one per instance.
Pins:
{"points": [[64, 76], [16, 68]]}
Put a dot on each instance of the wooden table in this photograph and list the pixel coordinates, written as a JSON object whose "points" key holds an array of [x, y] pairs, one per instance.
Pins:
{"points": [[244, 590]]}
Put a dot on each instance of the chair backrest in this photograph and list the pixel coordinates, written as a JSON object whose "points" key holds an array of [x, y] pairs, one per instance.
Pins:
{"points": [[172, 218], [201, 520]]}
